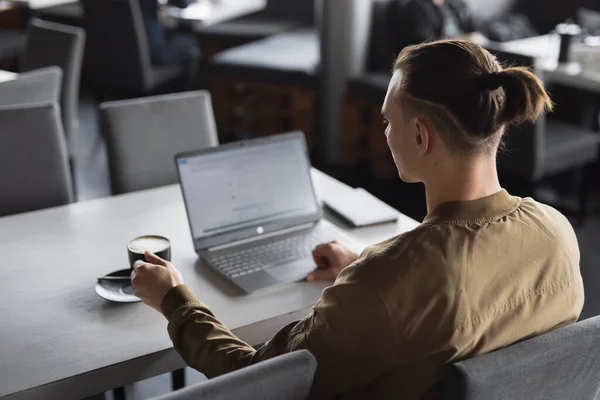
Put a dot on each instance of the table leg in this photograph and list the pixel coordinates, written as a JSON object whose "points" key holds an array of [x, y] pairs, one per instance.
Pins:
{"points": [[178, 379], [119, 393]]}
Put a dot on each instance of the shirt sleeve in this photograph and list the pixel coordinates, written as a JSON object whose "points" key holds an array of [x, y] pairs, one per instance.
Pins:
{"points": [[348, 332]]}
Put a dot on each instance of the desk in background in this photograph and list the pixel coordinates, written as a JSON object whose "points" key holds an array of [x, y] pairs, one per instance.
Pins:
{"points": [[7, 76], [210, 12], [37, 4], [60, 340], [546, 49]]}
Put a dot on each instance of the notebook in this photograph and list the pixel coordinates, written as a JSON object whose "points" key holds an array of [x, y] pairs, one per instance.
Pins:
{"points": [[361, 208]]}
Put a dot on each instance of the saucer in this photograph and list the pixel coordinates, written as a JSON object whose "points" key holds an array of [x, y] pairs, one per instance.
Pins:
{"points": [[118, 291]]}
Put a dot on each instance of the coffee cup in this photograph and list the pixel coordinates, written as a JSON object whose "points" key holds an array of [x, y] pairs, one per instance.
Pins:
{"points": [[159, 245]]}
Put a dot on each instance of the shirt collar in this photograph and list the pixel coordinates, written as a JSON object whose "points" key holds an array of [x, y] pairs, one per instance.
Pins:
{"points": [[483, 209]]}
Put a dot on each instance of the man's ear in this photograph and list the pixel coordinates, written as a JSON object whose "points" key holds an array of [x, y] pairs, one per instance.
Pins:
{"points": [[423, 136]]}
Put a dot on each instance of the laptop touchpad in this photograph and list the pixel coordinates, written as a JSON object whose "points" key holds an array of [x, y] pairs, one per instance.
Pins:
{"points": [[292, 271]]}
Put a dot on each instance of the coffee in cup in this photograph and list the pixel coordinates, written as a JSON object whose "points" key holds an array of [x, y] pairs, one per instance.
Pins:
{"points": [[159, 245]]}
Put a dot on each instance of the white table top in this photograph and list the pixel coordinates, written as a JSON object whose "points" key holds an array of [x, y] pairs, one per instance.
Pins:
{"points": [[38, 4], [546, 49], [60, 340], [210, 12], [7, 76]]}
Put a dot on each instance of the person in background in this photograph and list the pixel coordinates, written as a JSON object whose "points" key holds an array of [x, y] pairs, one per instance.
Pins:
{"points": [[166, 48], [427, 20], [484, 270]]}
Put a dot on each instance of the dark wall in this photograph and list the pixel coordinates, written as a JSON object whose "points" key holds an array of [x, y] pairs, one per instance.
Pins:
{"points": [[294, 10]]}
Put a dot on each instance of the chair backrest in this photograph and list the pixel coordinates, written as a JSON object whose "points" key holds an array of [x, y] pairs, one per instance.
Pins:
{"points": [[50, 44], [42, 85], [34, 164], [289, 377], [524, 145], [562, 364], [117, 44], [143, 136]]}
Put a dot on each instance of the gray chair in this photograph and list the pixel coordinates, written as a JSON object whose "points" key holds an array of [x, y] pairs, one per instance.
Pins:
{"points": [[548, 147], [34, 165], [563, 364], [42, 85], [288, 377], [50, 44], [119, 50], [143, 136]]}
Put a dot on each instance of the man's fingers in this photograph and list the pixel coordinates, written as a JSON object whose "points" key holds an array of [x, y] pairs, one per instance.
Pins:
{"points": [[154, 259], [320, 255], [324, 254], [138, 264], [322, 275]]}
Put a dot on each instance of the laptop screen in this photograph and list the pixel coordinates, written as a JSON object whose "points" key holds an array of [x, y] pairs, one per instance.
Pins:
{"points": [[247, 187]]}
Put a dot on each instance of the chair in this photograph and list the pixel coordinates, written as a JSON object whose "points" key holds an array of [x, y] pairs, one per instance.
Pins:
{"points": [[268, 86], [50, 44], [548, 147], [143, 136], [42, 85], [34, 164], [289, 377], [562, 364], [119, 51]]}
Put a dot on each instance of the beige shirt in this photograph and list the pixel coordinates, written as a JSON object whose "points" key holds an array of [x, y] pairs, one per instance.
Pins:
{"points": [[475, 276]]}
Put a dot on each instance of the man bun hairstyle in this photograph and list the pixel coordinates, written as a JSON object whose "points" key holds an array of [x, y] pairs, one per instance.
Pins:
{"points": [[466, 93]]}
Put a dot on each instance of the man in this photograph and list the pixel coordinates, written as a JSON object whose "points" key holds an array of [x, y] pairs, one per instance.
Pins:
{"points": [[167, 49], [484, 270]]}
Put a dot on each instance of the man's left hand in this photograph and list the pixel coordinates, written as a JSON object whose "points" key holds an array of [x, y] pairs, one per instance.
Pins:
{"points": [[153, 279]]}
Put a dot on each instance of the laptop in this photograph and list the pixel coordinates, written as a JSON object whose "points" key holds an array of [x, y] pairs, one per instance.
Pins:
{"points": [[253, 212]]}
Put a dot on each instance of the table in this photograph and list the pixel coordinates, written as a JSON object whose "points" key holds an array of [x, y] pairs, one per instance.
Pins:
{"points": [[7, 76], [39, 4], [59, 340], [210, 12], [545, 48]]}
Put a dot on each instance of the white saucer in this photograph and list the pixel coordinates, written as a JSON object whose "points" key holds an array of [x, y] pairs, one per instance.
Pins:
{"points": [[118, 291]]}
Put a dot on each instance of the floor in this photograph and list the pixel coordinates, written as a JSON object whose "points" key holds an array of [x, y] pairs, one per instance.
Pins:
{"points": [[92, 181]]}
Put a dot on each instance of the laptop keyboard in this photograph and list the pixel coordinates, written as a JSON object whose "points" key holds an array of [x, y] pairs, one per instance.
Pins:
{"points": [[254, 259]]}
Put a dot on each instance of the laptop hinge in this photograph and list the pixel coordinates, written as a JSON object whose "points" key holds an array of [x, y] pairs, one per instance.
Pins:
{"points": [[262, 237]]}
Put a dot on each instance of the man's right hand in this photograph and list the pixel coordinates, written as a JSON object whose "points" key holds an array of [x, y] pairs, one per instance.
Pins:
{"points": [[331, 258]]}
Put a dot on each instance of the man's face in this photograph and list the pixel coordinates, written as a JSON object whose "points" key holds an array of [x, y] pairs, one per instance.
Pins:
{"points": [[401, 133]]}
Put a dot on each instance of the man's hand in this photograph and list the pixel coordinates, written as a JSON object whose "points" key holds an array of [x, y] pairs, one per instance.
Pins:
{"points": [[331, 259], [153, 279]]}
